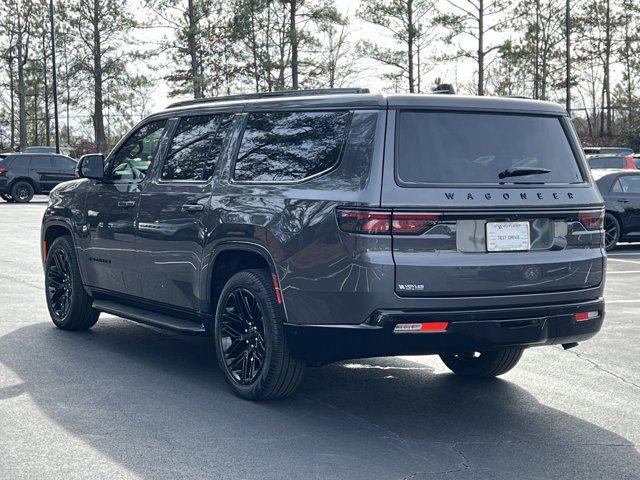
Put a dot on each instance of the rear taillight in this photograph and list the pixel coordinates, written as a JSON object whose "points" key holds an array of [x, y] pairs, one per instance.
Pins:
{"points": [[592, 220], [423, 327], [384, 222], [590, 315], [412, 223], [373, 222], [3, 170]]}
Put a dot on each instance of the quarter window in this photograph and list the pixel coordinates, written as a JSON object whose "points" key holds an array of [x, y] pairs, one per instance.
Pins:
{"points": [[196, 147], [290, 146], [629, 184]]}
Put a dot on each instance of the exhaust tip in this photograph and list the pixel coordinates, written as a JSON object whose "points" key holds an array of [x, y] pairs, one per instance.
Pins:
{"points": [[567, 346]]}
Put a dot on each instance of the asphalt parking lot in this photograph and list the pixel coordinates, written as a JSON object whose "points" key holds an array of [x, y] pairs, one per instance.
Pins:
{"points": [[127, 401]]}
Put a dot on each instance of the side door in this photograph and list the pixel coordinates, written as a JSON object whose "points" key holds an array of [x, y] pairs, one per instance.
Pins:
{"points": [[171, 229], [110, 257], [64, 168], [41, 170], [626, 191]]}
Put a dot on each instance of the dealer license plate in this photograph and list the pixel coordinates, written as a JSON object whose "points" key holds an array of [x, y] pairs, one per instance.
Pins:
{"points": [[508, 236]]}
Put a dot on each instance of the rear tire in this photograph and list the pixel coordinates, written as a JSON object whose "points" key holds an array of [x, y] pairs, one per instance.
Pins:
{"points": [[68, 302], [482, 364], [250, 342], [22, 192], [611, 232]]}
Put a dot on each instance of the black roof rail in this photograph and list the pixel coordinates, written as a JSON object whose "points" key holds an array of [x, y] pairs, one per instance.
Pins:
{"points": [[277, 94]]}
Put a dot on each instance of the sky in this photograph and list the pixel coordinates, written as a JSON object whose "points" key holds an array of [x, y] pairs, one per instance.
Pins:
{"points": [[371, 70]]}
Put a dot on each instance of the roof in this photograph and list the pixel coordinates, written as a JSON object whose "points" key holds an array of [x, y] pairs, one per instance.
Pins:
{"points": [[350, 100]]}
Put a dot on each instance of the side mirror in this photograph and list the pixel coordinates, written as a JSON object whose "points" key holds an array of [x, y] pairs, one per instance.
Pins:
{"points": [[91, 166]]}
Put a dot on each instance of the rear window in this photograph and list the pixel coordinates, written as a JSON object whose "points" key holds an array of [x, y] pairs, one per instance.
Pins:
{"points": [[462, 147], [607, 162], [290, 146]]}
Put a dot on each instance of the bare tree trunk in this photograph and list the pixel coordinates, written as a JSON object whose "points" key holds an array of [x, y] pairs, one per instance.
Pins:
{"points": [[47, 118], [12, 104], [293, 34], [628, 68], [410, 42], [98, 115], [481, 48], [536, 76], [607, 66], [254, 49], [419, 71], [191, 39], [36, 133], [67, 87], [22, 107]]}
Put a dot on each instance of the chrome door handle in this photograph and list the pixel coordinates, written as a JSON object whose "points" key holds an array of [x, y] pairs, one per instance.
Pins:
{"points": [[623, 200], [192, 207], [126, 203]]}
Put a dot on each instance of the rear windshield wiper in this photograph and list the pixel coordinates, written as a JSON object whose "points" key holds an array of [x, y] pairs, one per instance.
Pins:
{"points": [[522, 171]]}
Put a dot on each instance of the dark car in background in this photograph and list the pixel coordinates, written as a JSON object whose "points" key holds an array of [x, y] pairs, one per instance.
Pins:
{"points": [[621, 192], [63, 150], [23, 175], [611, 161], [304, 228], [607, 151]]}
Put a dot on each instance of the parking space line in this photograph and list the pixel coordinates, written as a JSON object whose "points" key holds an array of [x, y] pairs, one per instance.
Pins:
{"points": [[622, 301], [621, 260], [609, 272]]}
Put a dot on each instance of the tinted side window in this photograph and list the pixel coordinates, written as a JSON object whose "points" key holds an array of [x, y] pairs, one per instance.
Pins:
{"points": [[630, 184], [290, 146], [133, 158], [40, 161], [63, 164], [195, 147], [607, 162]]}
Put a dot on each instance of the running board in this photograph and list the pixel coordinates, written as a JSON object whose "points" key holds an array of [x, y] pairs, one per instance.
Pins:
{"points": [[153, 319]]}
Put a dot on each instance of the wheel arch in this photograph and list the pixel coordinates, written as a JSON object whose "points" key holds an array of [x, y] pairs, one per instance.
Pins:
{"points": [[51, 230], [229, 259], [29, 180], [617, 216]]}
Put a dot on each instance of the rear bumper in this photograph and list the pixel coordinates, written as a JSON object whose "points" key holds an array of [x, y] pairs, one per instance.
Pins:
{"points": [[466, 330]]}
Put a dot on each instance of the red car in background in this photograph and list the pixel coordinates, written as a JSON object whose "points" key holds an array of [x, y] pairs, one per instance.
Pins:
{"points": [[613, 161]]}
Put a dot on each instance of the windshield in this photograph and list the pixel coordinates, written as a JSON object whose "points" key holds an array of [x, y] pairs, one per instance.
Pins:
{"points": [[464, 147]]}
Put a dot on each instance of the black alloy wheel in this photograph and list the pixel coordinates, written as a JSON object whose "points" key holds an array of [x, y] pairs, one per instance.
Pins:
{"points": [[242, 336], [59, 284], [22, 192], [250, 340], [611, 232], [70, 306]]}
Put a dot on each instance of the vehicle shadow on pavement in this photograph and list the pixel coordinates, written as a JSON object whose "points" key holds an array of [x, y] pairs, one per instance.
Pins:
{"points": [[157, 405]]}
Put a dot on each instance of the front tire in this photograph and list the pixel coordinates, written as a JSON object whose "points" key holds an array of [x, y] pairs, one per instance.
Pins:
{"points": [[22, 192], [7, 198], [68, 302], [250, 342], [482, 364], [611, 232]]}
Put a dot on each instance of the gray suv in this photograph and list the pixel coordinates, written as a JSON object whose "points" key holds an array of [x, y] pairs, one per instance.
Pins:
{"points": [[303, 228]]}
